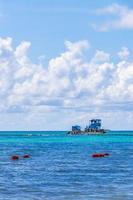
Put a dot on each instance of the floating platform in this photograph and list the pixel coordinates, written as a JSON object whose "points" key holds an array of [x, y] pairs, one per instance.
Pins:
{"points": [[94, 128]]}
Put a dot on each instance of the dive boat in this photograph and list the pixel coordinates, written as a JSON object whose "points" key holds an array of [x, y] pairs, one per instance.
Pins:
{"points": [[94, 127]]}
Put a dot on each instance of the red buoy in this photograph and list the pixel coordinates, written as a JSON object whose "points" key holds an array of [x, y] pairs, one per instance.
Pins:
{"points": [[26, 156], [15, 157], [99, 155]]}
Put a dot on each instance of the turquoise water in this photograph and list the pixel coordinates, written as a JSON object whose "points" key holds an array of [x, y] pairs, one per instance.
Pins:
{"points": [[61, 166]]}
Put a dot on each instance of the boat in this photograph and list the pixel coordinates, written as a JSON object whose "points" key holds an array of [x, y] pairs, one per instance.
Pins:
{"points": [[94, 128]]}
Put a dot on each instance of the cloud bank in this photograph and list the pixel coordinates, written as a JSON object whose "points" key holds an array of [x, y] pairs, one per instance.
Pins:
{"points": [[67, 82]]}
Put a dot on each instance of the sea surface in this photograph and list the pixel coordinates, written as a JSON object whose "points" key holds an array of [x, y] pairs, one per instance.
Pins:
{"points": [[61, 167]]}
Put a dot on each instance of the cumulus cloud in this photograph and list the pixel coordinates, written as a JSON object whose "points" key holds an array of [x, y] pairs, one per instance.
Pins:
{"points": [[101, 56], [124, 53], [68, 82], [122, 18]]}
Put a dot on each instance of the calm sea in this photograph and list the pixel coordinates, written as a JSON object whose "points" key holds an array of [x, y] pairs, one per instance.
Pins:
{"points": [[61, 167]]}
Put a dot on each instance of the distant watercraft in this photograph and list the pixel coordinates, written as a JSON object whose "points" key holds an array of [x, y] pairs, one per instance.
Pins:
{"points": [[94, 127]]}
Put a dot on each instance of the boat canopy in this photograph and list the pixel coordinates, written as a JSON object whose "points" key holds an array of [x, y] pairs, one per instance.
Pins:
{"points": [[76, 128], [95, 124]]}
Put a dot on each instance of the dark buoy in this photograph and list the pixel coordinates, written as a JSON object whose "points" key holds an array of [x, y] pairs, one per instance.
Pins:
{"points": [[15, 157], [99, 155], [26, 156], [106, 154]]}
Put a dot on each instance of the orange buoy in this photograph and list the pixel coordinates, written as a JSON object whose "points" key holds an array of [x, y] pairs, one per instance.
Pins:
{"points": [[26, 156], [99, 155], [15, 157]]}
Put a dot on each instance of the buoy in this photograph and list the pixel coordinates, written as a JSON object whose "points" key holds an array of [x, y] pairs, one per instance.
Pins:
{"points": [[106, 154], [26, 156], [15, 157], [98, 155]]}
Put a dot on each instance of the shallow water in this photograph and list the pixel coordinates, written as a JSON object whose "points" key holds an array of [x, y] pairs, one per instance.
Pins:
{"points": [[60, 167]]}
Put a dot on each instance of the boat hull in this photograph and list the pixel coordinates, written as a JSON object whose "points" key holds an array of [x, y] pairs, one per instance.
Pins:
{"points": [[87, 132]]}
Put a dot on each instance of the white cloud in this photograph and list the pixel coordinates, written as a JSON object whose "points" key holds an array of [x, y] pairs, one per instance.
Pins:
{"points": [[122, 18], [21, 52], [113, 9], [101, 56], [5, 44], [68, 83], [124, 53]]}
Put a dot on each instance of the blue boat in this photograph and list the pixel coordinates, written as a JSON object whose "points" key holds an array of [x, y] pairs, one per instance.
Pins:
{"points": [[94, 127]]}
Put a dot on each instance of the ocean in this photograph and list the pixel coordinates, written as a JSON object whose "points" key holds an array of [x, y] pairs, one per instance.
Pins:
{"points": [[61, 167]]}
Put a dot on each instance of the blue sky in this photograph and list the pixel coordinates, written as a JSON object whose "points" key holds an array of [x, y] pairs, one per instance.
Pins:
{"points": [[47, 24], [64, 62]]}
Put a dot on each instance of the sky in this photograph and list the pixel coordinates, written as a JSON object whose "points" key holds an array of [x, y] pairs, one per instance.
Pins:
{"points": [[64, 62]]}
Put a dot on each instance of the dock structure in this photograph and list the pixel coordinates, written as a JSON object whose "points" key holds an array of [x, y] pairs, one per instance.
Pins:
{"points": [[94, 127]]}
